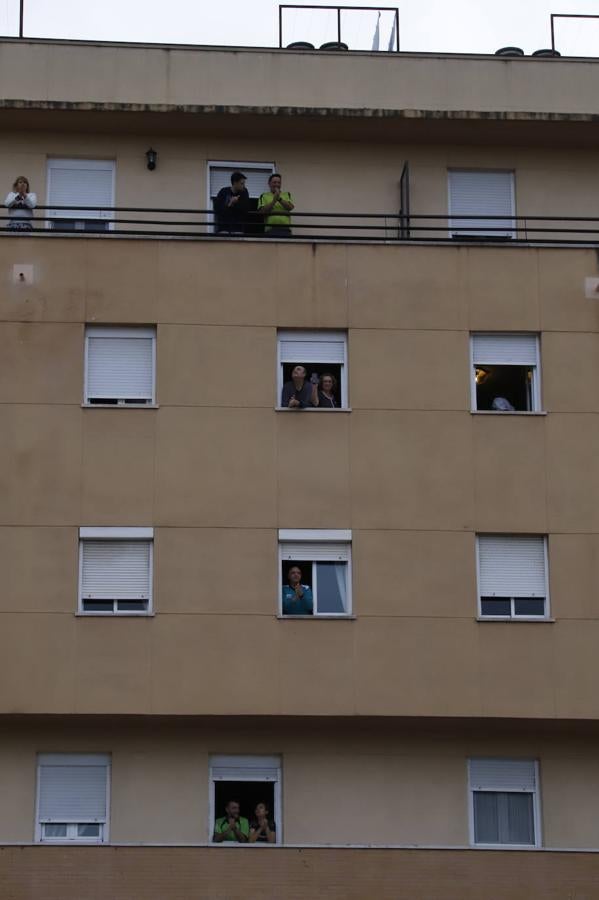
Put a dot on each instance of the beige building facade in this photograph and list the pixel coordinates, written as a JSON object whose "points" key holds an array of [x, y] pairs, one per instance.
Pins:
{"points": [[441, 694]]}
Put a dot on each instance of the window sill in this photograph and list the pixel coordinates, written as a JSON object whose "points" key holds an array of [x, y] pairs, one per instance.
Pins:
{"points": [[317, 618], [508, 620], [119, 406], [508, 412], [314, 409], [114, 615]]}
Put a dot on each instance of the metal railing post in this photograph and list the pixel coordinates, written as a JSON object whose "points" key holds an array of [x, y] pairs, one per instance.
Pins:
{"points": [[21, 14]]}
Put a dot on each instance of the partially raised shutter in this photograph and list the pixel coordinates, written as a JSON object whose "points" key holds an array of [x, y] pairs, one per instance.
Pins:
{"points": [[505, 349], [306, 550], [80, 182], [115, 570], [511, 566], [502, 775], [481, 194], [312, 347], [245, 768], [73, 791], [256, 178], [120, 368]]}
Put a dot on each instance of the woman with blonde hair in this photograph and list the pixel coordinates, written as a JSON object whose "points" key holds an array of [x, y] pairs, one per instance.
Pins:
{"points": [[20, 203]]}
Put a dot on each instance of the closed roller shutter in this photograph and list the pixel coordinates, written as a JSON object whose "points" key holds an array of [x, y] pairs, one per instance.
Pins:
{"points": [[245, 768], [73, 789], [86, 182], [502, 774], [115, 570], [511, 566], [479, 194], [505, 349], [120, 367], [306, 550], [312, 347]]}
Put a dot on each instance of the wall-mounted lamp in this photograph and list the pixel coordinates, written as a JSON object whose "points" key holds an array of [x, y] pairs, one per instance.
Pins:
{"points": [[151, 156]]}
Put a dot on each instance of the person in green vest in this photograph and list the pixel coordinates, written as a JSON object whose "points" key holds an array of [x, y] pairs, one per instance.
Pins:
{"points": [[275, 205], [231, 826]]}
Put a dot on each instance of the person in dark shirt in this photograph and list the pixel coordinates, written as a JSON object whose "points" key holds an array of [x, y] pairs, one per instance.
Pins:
{"points": [[299, 393], [262, 828], [327, 391], [297, 597], [232, 207]]}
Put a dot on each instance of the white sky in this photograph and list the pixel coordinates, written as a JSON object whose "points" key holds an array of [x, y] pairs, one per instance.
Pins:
{"points": [[468, 26]]}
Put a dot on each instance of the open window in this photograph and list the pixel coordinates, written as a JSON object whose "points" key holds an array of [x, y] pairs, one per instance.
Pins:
{"points": [[81, 183], [73, 792], [505, 372], [504, 802], [315, 573], [257, 175], [115, 571], [476, 193], [512, 576], [323, 354], [120, 366], [248, 781]]}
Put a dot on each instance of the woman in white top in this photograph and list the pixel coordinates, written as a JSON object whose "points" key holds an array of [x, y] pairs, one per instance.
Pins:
{"points": [[20, 203]]}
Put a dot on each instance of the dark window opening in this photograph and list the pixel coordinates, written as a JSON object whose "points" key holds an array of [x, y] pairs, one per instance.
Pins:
{"points": [[522, 606], [503, 818], [307, 580], [529, 606], [319, 369], [248, 794], [132, 605], [328, 582], [123, 401], [98, 605], [497, 384], [80, 224]]}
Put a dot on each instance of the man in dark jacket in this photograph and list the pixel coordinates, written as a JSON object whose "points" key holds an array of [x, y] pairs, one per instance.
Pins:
{"points": [[232, 206]]}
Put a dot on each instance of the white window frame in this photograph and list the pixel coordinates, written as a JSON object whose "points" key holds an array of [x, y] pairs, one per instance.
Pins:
{"points": [[98, 331], [81, 163], [90, 533], [454, 220], [322, 336], [239, 166], [536, 806], [43, 759], [513, 617], [320, 538], [535, 391], [218, 760]]}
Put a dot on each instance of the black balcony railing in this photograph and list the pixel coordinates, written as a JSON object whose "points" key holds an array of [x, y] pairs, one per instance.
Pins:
{"points": [[112, 222]]}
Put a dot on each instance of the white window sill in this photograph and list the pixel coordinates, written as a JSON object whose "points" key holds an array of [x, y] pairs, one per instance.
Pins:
{"points": [[119, 405], [319, 617], [506, 847], [509, 619], [508, 412], [314, 409], [115, 615]]}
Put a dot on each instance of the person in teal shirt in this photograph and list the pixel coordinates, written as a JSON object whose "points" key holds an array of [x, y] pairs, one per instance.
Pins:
{"points": [[297, 597], [232, 826], [275, 205]]}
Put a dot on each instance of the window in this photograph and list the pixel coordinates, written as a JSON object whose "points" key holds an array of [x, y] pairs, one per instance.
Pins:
{"points": [[504, 805], [120, 365], [322, 587], [512, 576], [505, 372], [321, 353], [73, 797], [257, 175], [480, 193], [115, 570], [84, 183], [248, 781]]}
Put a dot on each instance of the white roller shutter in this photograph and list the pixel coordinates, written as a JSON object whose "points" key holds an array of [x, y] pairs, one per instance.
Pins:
{"points": [[120, 367], [502, 775], [80, 181], [245, 768], [73, 790], [478, 193], [511, 566], [256, 177], [326, 552], [115, 570], [505, 349], [312, 347]]}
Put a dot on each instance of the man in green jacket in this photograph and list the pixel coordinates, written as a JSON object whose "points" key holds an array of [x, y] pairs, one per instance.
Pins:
{"points": [[231, 826], [275, 205]]}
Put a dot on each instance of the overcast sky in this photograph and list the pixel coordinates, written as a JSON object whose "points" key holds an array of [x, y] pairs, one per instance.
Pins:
{"points": [[468, 26]]}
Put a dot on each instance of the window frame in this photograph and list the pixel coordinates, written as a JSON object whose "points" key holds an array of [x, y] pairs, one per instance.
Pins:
{"points": [[318, 336], [104, 836], [225, 163], [81, 162], [236, 761], [536, 806], [453, 220], [118, 332], [512, 617], [114, 534], [535, 392], [318, 537]]}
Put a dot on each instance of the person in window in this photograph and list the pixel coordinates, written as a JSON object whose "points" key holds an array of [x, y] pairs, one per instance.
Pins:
{"points": [[20, 203], [232, 207], [231, 826], [299, 393], [262, 827], [275, 205], [297, 597], [327, 391]]}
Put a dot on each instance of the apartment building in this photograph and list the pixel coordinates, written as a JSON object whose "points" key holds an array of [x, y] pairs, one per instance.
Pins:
{"points": [[424, 723]]}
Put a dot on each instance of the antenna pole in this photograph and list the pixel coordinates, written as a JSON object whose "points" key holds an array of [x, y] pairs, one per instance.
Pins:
{"points": [[21, 10]]}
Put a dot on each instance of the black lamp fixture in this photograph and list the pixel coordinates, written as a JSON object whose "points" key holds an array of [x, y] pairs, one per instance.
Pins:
{"points": [[151, 156]]}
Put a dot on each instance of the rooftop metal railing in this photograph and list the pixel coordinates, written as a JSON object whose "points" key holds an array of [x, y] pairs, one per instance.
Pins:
{"points": [[130, 221]]}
